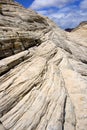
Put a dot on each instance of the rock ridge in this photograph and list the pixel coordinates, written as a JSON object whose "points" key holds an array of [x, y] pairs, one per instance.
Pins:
{"points": [[43, 72]]}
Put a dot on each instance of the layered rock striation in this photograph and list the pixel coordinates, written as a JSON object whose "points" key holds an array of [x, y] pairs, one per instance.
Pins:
{"points": [[43, 83]]}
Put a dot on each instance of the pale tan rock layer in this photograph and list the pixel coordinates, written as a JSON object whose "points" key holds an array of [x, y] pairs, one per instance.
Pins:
{"points": [[43, 83]]}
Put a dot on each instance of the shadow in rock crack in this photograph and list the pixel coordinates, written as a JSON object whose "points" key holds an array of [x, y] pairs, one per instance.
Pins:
{"points": [[1, 126]]}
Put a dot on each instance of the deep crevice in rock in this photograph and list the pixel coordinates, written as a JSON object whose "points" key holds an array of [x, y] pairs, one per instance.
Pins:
{"points": [[84, 61], [64, 113]]}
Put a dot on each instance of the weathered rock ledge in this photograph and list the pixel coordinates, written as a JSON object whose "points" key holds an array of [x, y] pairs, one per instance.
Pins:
{"points": [[43, 83]]}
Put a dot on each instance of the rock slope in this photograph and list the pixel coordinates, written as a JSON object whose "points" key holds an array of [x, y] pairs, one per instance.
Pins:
{"points": [[43, 83]]}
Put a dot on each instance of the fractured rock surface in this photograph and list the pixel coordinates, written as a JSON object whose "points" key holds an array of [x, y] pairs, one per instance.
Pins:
{"points": [[43, 83]]}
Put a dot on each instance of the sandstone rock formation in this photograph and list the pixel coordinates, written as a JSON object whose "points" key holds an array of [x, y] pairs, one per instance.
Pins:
{"points": [[81, 27], [43, 83]]}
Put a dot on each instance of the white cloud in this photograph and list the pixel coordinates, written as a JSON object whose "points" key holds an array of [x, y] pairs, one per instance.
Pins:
{"points": [[83, 4], [38, 4], [67, 17], [64, 14]]}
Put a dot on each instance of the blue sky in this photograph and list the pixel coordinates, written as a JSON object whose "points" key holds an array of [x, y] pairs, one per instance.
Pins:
{"points": [[66, 13], [25, 3]]}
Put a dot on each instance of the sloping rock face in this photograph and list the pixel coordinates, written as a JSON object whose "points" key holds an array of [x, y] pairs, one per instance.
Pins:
{"points": [[81, 27], [79, 34], [43, 83]]}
